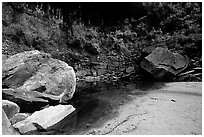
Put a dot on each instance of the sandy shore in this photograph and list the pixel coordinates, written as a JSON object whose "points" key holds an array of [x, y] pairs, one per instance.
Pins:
{"points": [[174, 108]]}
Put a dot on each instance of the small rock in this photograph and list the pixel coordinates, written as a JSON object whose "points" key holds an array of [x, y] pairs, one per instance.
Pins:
{"points": [[94, 73], [101, 71], [147, 50], [18, 117], [130, 69], [93, 132], [10, 108], [154, 98], [7, 128], [81, 73], [173, 100], [92, 79], [88, 125]]}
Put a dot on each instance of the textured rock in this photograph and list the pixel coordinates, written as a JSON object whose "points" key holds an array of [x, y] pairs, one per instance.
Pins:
{"points": [[10, 108], [81, 73], [147, 50], [46, 119], [36, 71], [101, 71], [25, 100], [4, 57], [19, 67], [92, 78], [18, 117], [130, 70], [29, 101], [7, 128], [163, 63], [94, 72]]}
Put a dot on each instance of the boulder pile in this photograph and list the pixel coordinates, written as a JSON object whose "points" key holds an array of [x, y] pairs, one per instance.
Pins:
{"points": [[33, 86]]}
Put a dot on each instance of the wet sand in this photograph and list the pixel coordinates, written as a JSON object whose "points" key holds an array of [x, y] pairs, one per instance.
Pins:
{"points": [[170, 109]]}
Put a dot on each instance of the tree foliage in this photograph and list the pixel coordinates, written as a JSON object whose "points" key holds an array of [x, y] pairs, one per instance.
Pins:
{"points": [[123, 27]]}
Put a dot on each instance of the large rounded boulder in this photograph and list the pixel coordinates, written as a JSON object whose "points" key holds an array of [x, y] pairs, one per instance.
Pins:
{"points": [[37, 71]]}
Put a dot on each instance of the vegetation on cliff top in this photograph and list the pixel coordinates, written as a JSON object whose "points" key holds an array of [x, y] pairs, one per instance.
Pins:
{"points": [[74, 32]]}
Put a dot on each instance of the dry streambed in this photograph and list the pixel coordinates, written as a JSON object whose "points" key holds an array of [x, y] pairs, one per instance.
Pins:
{"points": [[174, 108], [151, 108]]}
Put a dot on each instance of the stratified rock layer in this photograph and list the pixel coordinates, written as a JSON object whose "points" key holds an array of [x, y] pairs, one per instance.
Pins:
{"points": [[164, 64], [46, 119]]}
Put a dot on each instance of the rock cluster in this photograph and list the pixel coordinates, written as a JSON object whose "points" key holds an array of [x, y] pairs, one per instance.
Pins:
{"points": [[53, 118], [7, 128], [33, 86], [44, 120], [39, 76], [110, 70]]}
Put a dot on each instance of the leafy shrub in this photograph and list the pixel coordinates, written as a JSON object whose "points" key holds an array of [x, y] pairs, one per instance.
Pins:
{"points": [[31, 30]]}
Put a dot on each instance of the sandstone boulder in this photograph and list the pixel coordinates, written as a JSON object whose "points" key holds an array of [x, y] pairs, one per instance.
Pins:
{"points": [[29, 101], [37, 71], [164, 64], [7, 128], [10, 108], [44, 120]]}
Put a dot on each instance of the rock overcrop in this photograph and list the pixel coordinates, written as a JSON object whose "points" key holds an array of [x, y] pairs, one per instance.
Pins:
{"points": [[163, 64], [37, 71], [34, 84]]}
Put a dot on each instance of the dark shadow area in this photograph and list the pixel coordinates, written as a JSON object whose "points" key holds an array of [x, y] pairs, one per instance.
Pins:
{"points": [[149, 85], [180, 93], [98, 102]]}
